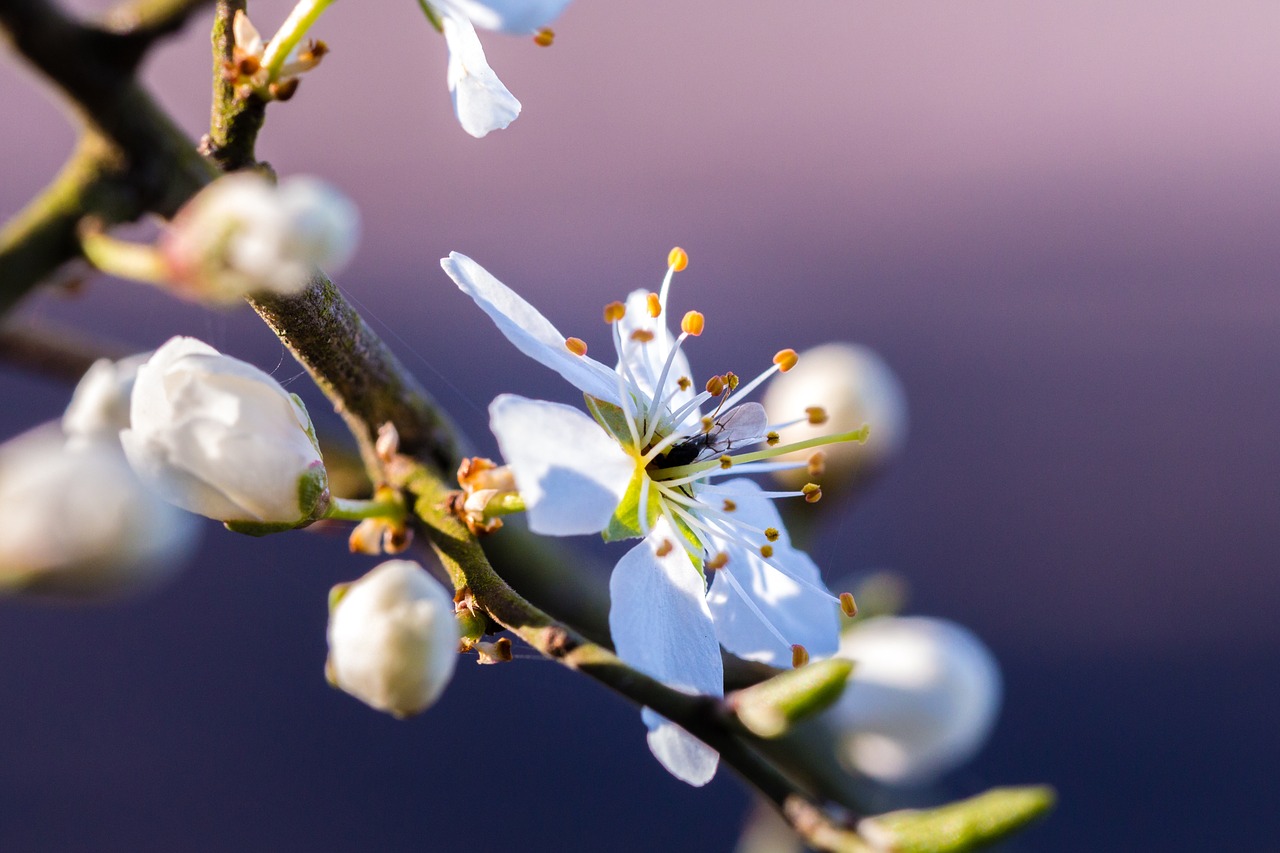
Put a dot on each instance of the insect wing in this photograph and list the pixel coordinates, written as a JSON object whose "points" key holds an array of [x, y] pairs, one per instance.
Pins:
{"points": [[742, 425]]}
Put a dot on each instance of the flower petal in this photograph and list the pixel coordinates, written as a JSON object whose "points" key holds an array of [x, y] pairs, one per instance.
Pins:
{"points": [[571, 473], [800, 614], [531, 332], [479, 98], [661, 626], [514, 17]]}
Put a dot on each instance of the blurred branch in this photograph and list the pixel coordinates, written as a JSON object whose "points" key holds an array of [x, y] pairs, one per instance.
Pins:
{"points": [[59, 353]]}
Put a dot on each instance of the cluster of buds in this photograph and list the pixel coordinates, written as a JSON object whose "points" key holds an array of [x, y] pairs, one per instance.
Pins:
{"points": [[488, 490], [249, 73]]}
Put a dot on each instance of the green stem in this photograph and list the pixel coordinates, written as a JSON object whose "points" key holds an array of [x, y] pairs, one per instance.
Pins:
{"points": [[351, 509], [135, 261], [858, 435], [290, 33]]}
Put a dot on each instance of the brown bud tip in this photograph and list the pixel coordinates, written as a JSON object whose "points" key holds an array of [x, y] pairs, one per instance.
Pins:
{"points": [[577, 346], [284, 90], [812, 493], [847, 605], [799, 656], [678, 259], [544, 37]]}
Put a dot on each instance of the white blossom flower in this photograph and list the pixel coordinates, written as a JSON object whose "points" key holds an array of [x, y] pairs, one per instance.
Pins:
{"points": [[643, 466], [242, 235], [845, 385], [393, 638], [75, 521], [481, 101], [923, 699], [99, 407], [220, 438]]}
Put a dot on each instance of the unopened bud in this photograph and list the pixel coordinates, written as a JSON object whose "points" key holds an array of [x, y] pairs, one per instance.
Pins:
{"points": [[770, 708], [962, 825]]}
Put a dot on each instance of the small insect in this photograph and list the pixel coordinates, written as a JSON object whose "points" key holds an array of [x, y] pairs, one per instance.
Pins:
{"points": [[742, 425]]}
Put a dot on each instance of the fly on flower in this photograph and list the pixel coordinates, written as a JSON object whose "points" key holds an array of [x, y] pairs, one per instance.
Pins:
{"points": [[715, 565]]}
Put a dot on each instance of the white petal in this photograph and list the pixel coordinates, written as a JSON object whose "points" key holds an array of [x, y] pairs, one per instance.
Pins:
{"points": [[246, 34], [514, 17], [570, 472], [531, 332], [479, 98], [800, 614], [645, 360], [660, 624]]}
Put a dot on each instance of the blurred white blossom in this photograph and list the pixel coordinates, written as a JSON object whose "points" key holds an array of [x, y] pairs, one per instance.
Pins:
{"points": [[99, 407], [923, 699], [481, 101], [75, 521], [393, 638], [243, 234], [849, 386], [219, 437]]}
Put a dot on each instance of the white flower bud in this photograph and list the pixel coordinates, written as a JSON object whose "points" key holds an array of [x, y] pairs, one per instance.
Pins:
{"points": [[242, 234], [922, 700], [99, 407], [852, 386], [393, 638], [75, 521], [219, 437]]}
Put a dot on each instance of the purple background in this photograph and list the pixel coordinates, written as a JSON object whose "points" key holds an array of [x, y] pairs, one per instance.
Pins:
{"points": [[1055, 220]]}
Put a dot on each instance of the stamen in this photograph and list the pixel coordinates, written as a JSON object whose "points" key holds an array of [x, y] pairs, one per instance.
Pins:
{"points": [[664, 549], [577, 346], [655, 306], [684, 383], [659, 401], [614, 311], [729, 506], [726, 462], [693, 323], [848, 605], [544, 37], [771, 533], [643, 511], [751, 605], [707, 424], [785, 359], [642, 336], [766, 551], [817, 415], [715, 386], [719, 561], [772, 439], [678, 259], [817, 465], [812, 493], [799, 656], [681, 413]]}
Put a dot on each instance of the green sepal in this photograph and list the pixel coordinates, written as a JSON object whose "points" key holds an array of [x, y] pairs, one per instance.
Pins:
{"points": [[959, 826], [611, 418], [313, 502], [625, 523], [337, 592], [263, 528]]}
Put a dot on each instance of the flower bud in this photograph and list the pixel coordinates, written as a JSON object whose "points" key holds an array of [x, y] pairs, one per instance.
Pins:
{"points": [[242, 235], [923, 698], [393, 638], [99, 407], [75, 521], [220, 438], [853, 386]]}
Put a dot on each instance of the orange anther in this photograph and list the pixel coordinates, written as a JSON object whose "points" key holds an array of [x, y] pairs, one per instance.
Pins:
{"points": [[786, 359], [654, 304], [799, 656], [544, 37], [577, 346], [693, 323], [678, 259], [848, 605], [614, 311]]}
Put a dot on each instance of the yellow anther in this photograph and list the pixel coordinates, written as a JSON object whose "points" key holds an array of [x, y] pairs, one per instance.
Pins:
{"points": [[715, 386], [772, 438], [655, 306], [577, 346], [729, 506], [847, 605], [799, 656], [692, 323], [614, 311], [766, 551], [786, 359], [771, 533], [685, 383], [642, 335], [726, 462], [544, 37], [817, 464], [817, 415], [664, 549], [678, 259], [812, 493], [719, 561], [707, 424], [731, 379]]}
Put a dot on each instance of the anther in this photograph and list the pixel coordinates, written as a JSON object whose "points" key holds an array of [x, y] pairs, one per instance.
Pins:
{"points": [[614, 311], [817, 464], [678, 259], [817, 415], [719, 561], [847, 605], [664, 549], [729, 506], [799, 656], [707, 424], [771, 533], [812, 493], [786, 359], [772, 438], [766, 551], [731, 379], [642, 336], [544, 37], [284, 90], [577, 346], [726, 462], [684, 383], [654, 304], [692, 323], [715, 386]]}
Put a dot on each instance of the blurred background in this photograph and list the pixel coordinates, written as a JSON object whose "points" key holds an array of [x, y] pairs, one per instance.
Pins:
{"points": [[1055, 221]]}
